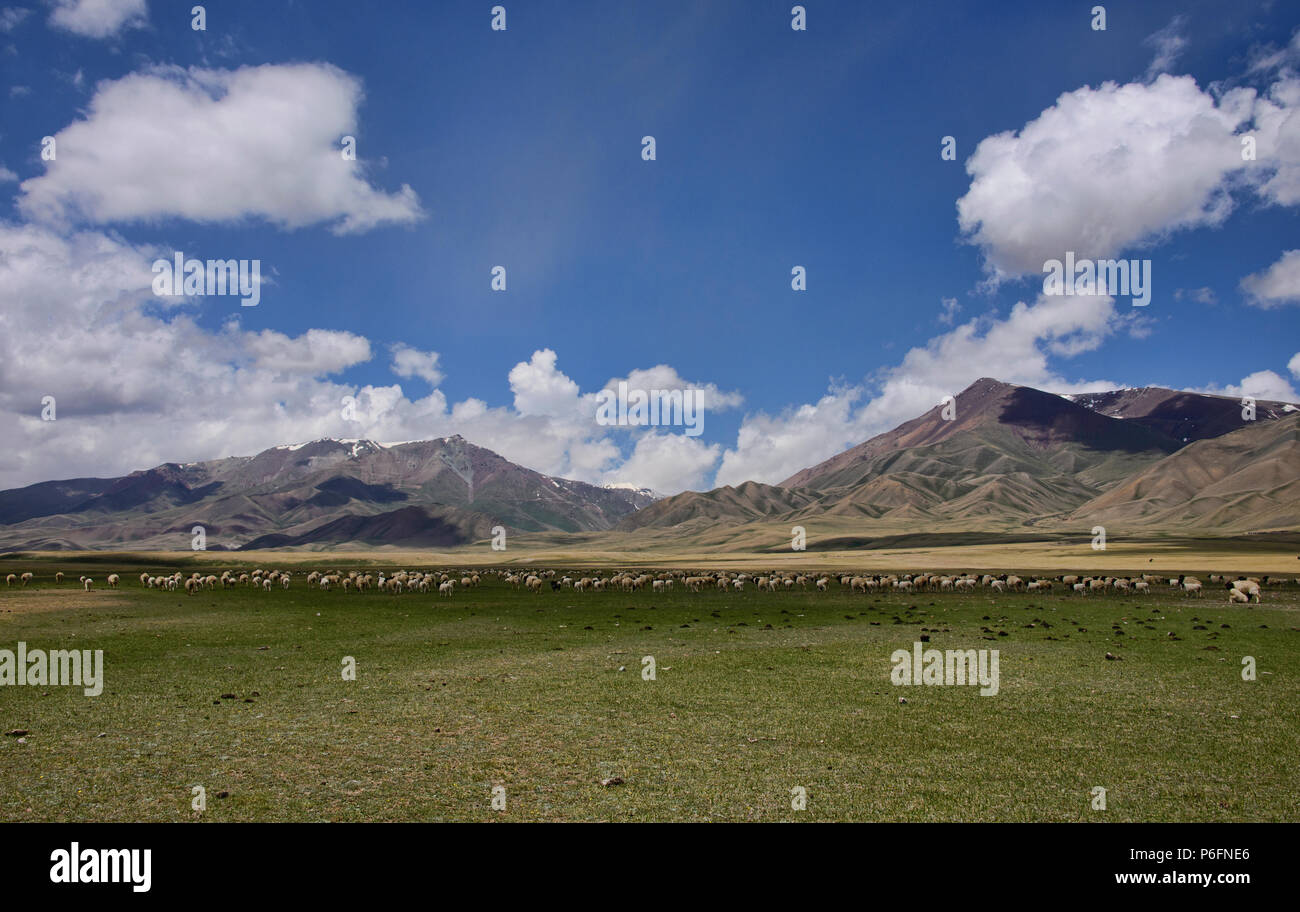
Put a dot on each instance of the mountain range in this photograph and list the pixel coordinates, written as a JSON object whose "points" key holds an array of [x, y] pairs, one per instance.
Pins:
{"points": [[1000, 459]]}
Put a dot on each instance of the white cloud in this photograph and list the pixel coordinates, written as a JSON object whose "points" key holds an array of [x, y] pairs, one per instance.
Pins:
{"points": [[1277, 121], [1169, 43], [315, 352], [98, 18], [541, 389], [668, 462], [410, 362], [7, 176], [151, 385], [217, 146], [770, 448], [1294, 365], [1102, 170], [1277, 285], [1263, 384], [664, 377]]}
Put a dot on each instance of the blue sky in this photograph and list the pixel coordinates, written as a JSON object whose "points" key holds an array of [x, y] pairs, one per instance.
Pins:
{"points": [[775, 148]]}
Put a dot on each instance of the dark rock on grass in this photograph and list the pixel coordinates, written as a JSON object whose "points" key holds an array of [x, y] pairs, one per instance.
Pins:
{"points": [[223, 794], [17, 732], [925, 638], [611, 781]]}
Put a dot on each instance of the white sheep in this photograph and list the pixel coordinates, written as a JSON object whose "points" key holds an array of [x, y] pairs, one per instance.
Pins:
{"points": [[1248, 586]]}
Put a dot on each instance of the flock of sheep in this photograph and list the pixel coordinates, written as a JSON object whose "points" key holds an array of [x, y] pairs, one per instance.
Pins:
{"points": [[1240, 590]]}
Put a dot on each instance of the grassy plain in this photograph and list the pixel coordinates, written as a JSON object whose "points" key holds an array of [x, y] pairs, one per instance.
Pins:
{"points": [[755, 694]]}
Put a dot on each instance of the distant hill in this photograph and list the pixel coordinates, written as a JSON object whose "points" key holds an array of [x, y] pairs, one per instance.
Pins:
{"points": [[1243, 481], [327, 492], [1014, 458]]}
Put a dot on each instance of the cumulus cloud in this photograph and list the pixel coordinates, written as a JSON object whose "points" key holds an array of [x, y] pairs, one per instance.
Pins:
{"points": [[1262, 384], [410, 362], [1277, 133], [315, 352], [770, 448], [98, 18], [1277, 285], [1294, 365], [1102, 170], [540, 388], [216, 146], [152, 385], [664, 377], [668, 462], [7, 176]]}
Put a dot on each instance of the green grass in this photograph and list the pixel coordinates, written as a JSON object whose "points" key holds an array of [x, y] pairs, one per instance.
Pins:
{"points": [[504, 687]]}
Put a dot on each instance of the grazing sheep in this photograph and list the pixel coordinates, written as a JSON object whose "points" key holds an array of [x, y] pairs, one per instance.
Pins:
{"points": [[86, 583], [1248, 586], [1237, 596], [445, 588], [822, 584], [26, 578], [1192, 587], [113, 580], [58, 577], [10, 579]]}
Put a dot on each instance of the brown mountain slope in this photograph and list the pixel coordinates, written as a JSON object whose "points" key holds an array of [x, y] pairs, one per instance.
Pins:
{"points": [[1042, 421], [1248, 480], [1186, 417], [309, 494]]}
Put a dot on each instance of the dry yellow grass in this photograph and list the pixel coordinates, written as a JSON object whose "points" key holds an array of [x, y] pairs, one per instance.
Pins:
{"points": [[1175, 556]]}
